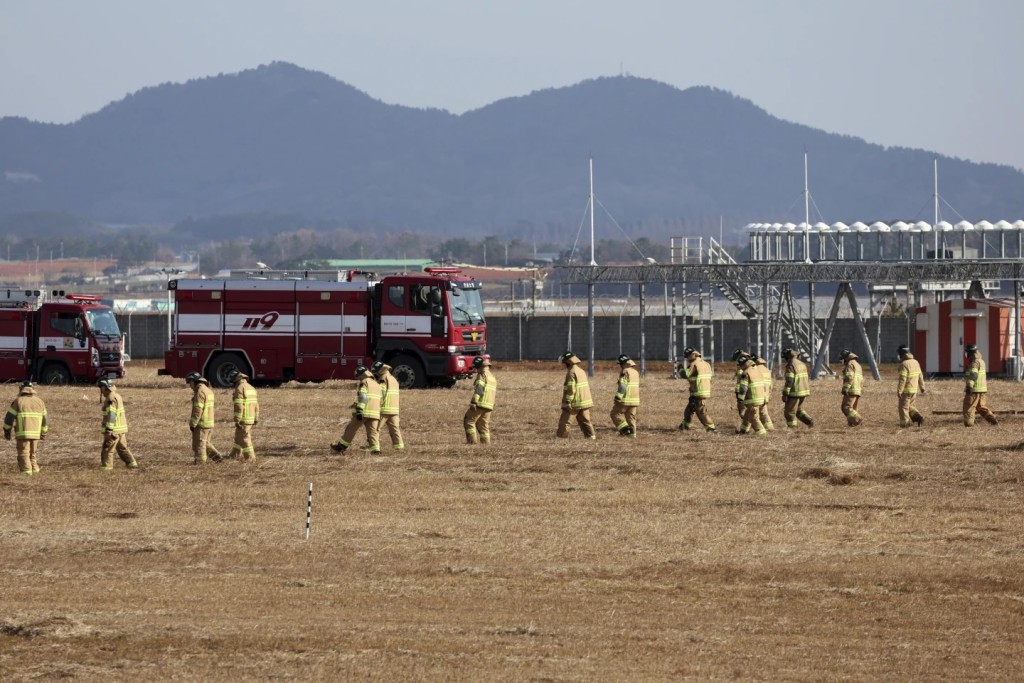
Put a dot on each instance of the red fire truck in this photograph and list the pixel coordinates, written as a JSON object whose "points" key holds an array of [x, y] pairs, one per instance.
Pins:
{"points": [[428, 326], [69, 338]]}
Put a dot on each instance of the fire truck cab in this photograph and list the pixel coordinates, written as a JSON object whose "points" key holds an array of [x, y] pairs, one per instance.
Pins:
{"points": [[428, 326], [69, 338]]}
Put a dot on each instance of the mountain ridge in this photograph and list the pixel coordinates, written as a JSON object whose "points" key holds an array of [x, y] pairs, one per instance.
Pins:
{"points": [[282, 139]]}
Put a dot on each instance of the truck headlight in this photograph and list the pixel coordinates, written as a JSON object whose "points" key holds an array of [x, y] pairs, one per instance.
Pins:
{"points": [[453, 349]]}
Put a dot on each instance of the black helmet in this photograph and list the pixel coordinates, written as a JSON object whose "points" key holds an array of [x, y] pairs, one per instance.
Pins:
{"points": [[566, 356], [844, 353], [375, 368], [742, 358], [481, 361], [27, 384], [789, 353], [193, 377], [737, 353], [971, 348], [902, 350], [623, 359], [105, 384], [689, 351], [233, 375]]}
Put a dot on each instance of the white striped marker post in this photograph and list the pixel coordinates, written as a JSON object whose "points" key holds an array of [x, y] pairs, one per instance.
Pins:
{"points": [[309, 509]]}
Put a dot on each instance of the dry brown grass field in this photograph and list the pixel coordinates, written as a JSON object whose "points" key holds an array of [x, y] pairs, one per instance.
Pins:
{"points": [[829, 553]]}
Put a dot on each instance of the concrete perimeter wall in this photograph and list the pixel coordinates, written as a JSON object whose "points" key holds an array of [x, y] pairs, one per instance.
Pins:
{"points": [[545, 337]]}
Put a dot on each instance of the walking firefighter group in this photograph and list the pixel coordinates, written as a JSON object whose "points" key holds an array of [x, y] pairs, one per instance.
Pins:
{"points": [[376, 406]]}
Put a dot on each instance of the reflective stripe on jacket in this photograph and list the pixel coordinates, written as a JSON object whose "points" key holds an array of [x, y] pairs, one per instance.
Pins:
{"points": [[753, 385], [389, 394], [910, 376], [853, 378], [977, 382], [699, 375], [367, 399], [114, 420], [797, 383], [485, 390], [202, 407], [628, 389], [247, 406], [27, 417], [577, 390]]}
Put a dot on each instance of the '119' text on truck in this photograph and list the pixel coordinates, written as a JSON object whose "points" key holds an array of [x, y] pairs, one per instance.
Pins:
{"points": [[428, 326]]}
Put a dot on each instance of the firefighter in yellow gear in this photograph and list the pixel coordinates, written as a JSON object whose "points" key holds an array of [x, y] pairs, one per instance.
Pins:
{"points": [[200, 422], [389, 390], [477, 420], [910, 383], [576, 398], [115, 428], [976, 388], [247, 415], [27, 419], [365, 413], [627, 397], [699, 374], [796, 389], [740, 408], [751, 387], [766, 387], [853, 380]]}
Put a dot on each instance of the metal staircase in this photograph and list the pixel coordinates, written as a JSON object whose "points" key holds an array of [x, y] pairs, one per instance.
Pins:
{"points": [[792, 320]]}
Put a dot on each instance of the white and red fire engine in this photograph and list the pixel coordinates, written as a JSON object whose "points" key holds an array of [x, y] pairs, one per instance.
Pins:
{"points": [[428, 326], [69, 338]]}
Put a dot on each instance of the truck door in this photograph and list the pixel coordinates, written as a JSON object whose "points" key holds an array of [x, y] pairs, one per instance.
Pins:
{"points": [[411, 310], [62, 339]]}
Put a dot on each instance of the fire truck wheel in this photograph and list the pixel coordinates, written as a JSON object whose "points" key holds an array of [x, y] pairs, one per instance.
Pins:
{"points": [[408, 371], [222, 366], [55, 373]]}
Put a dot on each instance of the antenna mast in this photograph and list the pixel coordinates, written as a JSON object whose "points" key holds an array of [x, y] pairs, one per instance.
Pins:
{"points": [[592, 261]]}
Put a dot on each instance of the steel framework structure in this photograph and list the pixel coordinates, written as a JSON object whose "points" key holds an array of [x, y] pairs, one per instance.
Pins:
{"points": [[726, 275]]}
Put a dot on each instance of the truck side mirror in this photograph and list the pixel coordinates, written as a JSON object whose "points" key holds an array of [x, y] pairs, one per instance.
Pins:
{"points": [[435, 296], [436, 311]]}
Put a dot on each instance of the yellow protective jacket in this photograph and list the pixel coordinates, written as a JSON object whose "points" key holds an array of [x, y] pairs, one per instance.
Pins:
{"points": [[389, 394], [577, 389], [797, 383], [699, 375], [766, 378], [368, 397], [853, 378], [26, 416], [753, 384], [627, 391], [485, 389], [739, 389], [247, 405], [911, 379], [977, 382], [202, 407], [114, 420]]}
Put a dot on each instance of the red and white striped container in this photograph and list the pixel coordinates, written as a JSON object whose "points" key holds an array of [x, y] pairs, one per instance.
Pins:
{"points": [[943, 329]]}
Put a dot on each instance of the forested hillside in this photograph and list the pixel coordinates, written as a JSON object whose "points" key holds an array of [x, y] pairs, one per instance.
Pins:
{"points": [[304, 150]]}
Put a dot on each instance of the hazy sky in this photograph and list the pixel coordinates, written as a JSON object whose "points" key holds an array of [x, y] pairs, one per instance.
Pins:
{"points": [[942, 76]]}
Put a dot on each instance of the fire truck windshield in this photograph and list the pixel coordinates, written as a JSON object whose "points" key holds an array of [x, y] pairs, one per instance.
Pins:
{"points": [[467, 308], [101, 321]]}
